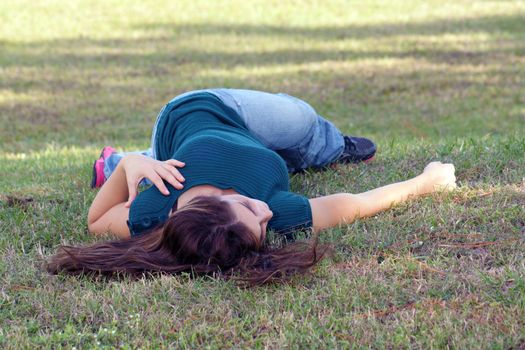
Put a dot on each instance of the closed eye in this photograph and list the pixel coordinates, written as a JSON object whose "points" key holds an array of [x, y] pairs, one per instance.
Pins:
{"points": [[247, 207]]}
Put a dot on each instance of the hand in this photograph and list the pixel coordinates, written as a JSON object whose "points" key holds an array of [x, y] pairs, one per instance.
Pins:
{"points": [[439, 176], [138, 167]]}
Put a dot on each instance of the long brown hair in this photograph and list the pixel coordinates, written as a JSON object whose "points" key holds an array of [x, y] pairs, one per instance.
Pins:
{"points": [[203, 237]]}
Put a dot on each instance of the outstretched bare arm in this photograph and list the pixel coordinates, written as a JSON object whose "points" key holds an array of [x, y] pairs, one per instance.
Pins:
{"points": [[344, 208]]}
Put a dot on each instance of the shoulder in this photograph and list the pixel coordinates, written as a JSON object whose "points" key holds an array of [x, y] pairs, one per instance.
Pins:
{"points": [[291, 211]]}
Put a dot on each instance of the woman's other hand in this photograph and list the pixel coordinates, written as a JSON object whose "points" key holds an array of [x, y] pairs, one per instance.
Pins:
{"points": [[138, 167], [439, 176]]}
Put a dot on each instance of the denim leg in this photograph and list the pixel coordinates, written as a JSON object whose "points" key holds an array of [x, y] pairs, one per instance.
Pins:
{"points": [[112, 161], [287, 125], [321, 146], [283, 123]]}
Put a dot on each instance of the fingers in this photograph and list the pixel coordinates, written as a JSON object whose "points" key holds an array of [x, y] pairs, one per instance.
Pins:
{"points": [[440, 165], [157, 181], [170, 173], [172, 176], [175, 162], [174, 172], [166, 171], [132, 193], [450, 182]]}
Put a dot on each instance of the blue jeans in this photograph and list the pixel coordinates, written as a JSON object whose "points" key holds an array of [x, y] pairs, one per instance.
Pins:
{"points": [[283, 123]]}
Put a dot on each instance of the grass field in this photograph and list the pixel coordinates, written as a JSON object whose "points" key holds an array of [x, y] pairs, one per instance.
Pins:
{"points": [[428, 80]]}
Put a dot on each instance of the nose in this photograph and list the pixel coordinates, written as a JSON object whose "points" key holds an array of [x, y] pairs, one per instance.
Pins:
{"points": [[268, 214], [263, 211]]}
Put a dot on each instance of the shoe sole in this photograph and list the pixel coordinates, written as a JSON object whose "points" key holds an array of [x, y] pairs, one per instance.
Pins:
{"points": [[95, 181], [94, 177], [370, 159], [106, 152]]}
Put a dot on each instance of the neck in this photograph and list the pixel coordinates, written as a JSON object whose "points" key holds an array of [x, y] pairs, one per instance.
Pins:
{"points": [[201, 190]]}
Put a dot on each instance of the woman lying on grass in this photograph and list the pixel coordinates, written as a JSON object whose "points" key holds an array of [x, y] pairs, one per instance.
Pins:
{"points": [[235, 149]]}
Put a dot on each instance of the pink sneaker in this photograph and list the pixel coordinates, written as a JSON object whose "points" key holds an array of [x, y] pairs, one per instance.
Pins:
{"points": [[98, 167]]}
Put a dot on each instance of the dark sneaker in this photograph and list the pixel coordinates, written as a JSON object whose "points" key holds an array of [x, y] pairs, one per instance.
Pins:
{"points": [[357, 149], [98, 178]]}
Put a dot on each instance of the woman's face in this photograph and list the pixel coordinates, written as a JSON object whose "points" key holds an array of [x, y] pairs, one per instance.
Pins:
{"points": [[254, 213]]}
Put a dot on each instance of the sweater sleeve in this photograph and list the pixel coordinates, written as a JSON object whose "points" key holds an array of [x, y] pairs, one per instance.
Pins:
{"points": [[291, 212]]}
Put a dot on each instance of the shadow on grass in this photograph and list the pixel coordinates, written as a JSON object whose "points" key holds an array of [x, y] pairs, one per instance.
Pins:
{"points": [[501, 29], [512, 25], [96, 84]]}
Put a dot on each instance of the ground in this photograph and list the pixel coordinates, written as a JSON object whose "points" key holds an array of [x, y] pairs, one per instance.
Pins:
{"points": [[427, 80]]}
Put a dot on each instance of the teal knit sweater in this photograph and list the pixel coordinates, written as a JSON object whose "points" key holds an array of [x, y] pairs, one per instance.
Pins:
{"points": [[218, 150]]}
